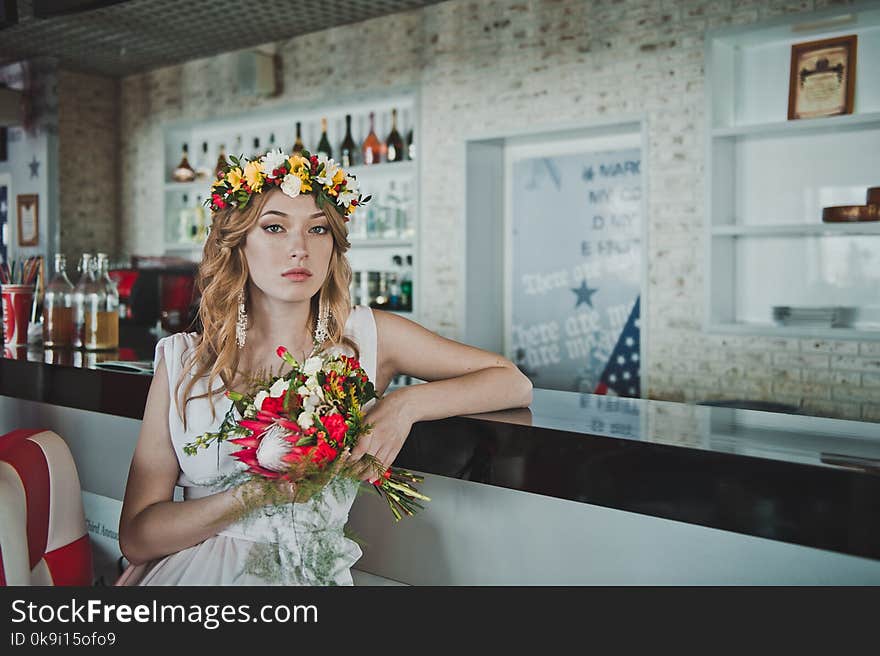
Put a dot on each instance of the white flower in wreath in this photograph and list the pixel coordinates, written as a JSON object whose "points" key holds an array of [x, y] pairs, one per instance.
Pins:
{"points": [[291, 185], [272, 160], [278, 388], [346, 197], [329, 172], [259, 398]]}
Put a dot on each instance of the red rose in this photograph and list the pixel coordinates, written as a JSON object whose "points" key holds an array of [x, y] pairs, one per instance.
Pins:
{"points": [[323, 452], [336, 427], [275, 405]]}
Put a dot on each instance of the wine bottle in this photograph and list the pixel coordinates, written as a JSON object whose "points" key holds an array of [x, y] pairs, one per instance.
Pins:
{"points": [[222, 160], [183, 172], [298, 146], [272, 145], [396, 151], [348, 149], [372, 147], [406, 287], [256, 154], [203, 167], [324, 143]]}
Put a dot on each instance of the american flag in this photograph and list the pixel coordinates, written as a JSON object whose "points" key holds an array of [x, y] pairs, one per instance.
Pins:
{"points": [[622, 373]]}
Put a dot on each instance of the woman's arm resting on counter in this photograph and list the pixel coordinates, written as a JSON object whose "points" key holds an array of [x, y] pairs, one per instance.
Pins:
{"points": [[461, 379], [152, 525]]}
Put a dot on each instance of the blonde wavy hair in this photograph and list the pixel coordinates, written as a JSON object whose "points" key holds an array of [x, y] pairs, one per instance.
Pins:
{"points": [[223, 272]]}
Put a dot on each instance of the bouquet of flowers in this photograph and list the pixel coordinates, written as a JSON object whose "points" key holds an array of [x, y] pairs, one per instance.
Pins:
{"points": [[297, 426]]}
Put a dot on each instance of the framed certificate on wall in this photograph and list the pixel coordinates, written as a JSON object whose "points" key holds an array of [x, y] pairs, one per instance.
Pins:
{"points": [[28, 219], [823, 78]]}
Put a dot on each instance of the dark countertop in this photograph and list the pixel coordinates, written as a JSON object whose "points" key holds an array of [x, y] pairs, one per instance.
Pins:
{"points": [[812, 481]]}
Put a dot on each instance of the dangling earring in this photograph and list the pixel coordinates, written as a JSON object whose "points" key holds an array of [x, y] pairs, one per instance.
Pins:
{"points": [[241, 322], [322, 332]]}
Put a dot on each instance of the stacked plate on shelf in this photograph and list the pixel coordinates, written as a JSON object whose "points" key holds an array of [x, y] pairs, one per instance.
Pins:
{"points": [[845, 213], [833, 317]]}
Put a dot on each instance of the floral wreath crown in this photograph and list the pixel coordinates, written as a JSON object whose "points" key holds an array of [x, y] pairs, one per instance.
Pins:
{"points": [[295, 174]]}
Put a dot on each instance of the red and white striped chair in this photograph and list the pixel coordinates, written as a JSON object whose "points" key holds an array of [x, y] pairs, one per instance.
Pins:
{"points": [[43, 537]]}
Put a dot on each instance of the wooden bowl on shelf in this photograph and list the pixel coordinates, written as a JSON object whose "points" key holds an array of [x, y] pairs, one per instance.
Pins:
{"points": [[847, 213]]}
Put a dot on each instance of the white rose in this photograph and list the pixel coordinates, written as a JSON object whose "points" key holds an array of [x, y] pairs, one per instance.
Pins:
{"points": [[258, 400], [305, 419], [278, 388], [312, 366], [291, 185], [273, 447], [272, 160]]}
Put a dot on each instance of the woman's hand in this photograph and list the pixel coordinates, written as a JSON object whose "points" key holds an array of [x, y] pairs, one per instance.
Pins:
{"points": [[391, 426], [258, 492]]}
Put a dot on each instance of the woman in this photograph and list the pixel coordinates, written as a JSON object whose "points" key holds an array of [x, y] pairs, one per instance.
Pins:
{"points": [[277, 250]]}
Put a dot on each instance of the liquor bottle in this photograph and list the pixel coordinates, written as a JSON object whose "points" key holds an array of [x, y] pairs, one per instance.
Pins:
{"points": [[185, 221], [298, 146], [364, 295], [81, 297], [393, 214], [404, 211], [222, 161], [380, 300], [199, 227], [394, 290], [354, 289], [410, 146], [256, 152], [203, 167], [372, 147], [348, 150], [102, 316], [58, 307], [406, 287], [183, 172], [324, 143], [271, 145], [372, 288], [396, 150]]}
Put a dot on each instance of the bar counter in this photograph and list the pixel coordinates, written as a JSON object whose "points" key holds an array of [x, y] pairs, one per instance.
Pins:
{"points": [[793, 479]]}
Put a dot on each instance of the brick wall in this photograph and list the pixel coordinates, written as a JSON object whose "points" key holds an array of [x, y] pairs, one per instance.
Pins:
{"points": [[529, 64], [88, 166]]}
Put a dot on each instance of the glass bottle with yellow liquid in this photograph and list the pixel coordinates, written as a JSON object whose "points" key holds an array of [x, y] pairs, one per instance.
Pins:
{"points": [[80, 293], [102, 310], [58, 320]]}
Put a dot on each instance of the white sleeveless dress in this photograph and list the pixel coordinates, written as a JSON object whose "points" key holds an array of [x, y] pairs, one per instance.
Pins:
{"points": [[302, 544]]}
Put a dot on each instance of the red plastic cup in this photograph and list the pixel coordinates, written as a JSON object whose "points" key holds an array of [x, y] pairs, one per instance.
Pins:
{"points": [[17, 302]]}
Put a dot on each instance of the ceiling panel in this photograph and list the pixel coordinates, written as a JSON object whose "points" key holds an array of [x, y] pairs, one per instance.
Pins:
{"points": [[139, 35]]}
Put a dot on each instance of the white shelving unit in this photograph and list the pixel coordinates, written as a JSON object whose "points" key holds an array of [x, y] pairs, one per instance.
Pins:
{"points": [[386, 227], [768, 180]]}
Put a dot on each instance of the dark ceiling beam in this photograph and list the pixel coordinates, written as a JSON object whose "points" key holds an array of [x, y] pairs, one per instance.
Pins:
{"points": [[8, 13], [53, 8]]}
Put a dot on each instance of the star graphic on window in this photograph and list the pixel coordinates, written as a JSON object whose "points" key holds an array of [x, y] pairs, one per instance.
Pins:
{"points": [[35, 167], [584, 294]]}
